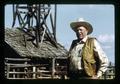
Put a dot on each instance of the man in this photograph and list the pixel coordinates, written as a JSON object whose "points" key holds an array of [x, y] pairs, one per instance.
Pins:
{"points": [[86, 57]]}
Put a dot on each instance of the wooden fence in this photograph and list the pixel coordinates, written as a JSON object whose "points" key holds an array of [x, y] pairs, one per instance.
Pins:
{"points": [[110, 73], [21, 68]]}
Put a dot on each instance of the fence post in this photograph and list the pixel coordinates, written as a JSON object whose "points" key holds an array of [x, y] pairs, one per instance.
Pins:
{"points": [[8, 69], [14, 73], [34, 70], [53, 67]]}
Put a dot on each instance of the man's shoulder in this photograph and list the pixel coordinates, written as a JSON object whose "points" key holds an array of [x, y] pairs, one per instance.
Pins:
{"points": [[91, 37], [75, 41]]}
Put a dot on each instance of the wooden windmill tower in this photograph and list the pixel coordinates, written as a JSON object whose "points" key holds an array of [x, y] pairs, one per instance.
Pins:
{"points": [[33, 19]]}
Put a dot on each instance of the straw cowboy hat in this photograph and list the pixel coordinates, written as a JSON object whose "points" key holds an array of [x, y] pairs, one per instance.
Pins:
{"points": [[81, 22]]}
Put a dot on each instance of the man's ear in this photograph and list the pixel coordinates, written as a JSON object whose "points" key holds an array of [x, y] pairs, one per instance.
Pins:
{"points": [[87, 31]]}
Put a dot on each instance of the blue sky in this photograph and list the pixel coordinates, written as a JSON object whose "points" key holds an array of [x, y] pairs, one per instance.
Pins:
{"points": [[100, 16]]}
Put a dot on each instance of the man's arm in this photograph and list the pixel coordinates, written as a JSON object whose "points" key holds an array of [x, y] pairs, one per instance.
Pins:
{"points": [[102, 57]]}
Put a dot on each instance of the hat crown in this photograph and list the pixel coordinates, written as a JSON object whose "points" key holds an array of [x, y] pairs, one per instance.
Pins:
{"points": [[80, 20]]}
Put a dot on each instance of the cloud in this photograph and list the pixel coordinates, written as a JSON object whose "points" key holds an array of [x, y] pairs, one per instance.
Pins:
{"points": [[107, 47], [106, 38]]}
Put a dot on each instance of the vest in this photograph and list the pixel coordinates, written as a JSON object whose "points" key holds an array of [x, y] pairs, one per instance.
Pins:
{"points": [[88, 59]]}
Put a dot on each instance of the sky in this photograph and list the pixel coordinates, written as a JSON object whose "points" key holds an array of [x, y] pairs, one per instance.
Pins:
{"points": [[101, 17]]}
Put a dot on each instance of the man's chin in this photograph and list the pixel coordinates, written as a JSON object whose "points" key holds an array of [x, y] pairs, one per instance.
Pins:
{"points": [[80, 38]]}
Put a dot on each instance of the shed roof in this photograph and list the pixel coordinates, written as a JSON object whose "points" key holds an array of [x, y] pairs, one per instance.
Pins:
{"points": [[15, 38]]}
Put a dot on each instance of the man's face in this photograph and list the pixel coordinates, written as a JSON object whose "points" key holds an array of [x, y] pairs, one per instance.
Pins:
{"points": [[81, 32]]}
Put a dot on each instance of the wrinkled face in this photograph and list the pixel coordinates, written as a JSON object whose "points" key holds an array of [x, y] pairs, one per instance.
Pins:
{"points": [[81, 32]]}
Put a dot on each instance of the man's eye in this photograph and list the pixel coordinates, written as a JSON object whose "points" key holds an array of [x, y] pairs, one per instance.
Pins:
{"points": [[79, 30]]}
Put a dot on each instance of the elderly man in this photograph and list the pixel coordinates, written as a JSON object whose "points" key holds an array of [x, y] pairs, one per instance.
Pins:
{"points": [[86, 58]]}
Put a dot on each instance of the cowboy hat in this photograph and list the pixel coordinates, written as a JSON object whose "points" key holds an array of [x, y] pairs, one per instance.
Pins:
{"points": [[81, 22]]}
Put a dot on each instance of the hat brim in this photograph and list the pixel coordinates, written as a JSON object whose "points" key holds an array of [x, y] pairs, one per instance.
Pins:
{"points": [[75, 25]]}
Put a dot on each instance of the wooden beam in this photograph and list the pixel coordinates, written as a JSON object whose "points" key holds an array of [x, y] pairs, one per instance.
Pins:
{"points": [[34, 70], [53, 67], [17, 59], [8, 69]]}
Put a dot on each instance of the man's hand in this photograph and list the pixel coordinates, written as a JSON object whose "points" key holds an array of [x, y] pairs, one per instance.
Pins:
{"points": [[94, 77]]}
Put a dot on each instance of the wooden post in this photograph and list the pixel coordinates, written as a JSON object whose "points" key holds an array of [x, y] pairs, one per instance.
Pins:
{"points": [[42, 38], [53, 67], [25, 70], [18, 75], [25, 40], [105, 75], [34, 70], [8, 69], [13, 73]]}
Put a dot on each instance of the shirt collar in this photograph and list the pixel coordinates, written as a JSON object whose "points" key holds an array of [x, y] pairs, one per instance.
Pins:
{"points": [[83, 40]]}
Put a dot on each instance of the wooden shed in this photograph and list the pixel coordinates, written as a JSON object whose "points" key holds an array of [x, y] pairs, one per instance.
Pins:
{"points": [[23, 60]]}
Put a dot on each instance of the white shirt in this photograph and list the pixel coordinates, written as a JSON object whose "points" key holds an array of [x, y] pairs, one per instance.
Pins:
{"points": [[98, 52]]}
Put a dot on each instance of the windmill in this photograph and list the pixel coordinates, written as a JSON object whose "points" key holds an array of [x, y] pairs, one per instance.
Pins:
{"points": [[33, 18]]}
